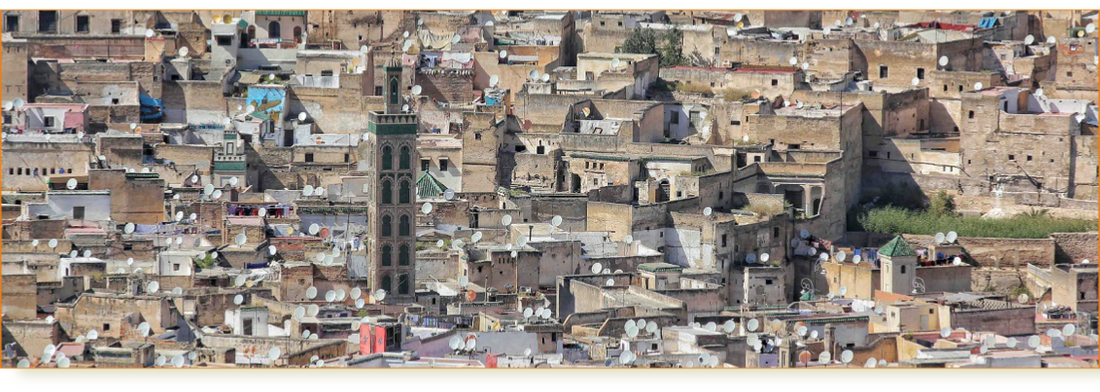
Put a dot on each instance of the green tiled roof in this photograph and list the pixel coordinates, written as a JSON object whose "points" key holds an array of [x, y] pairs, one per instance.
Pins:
{"points": [[281, 13], [897, 247], [429, 187], [230, 166], [659, 267]]}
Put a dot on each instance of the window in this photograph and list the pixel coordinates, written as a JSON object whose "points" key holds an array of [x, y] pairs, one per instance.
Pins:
{"points": [[387, 226], [326, 72], [49, 121], [82, 23], [477, 136], [106, 327], [387, 192], [404, 227], [872, 153], [443, 164], [1029, 158], [116, 26], [231, 148], [78, 212], [775, 82], [387, 158], [775, 232], [404, 192], [794, 146], [403, 255], [175, 267], [735, 122], [347, 157], [883, 71], [903, 269], [920, 73], [1012, 157], [309, 155], [970, 114], [425, 164], [403, 284], [274, 30], [387, 283], [756, 158], [723, 240], [387, 255], [11, 23], [377, 90], [405, 158], [47, 21], [768, 282]]}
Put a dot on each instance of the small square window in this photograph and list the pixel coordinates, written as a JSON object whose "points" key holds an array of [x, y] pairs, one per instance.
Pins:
{"points": [[1012, 157], [309, 157], [775, 82]]}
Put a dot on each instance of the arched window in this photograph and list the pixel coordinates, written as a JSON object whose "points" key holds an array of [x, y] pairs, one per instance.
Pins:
{"points": [[403, 255], [387, 226], [406, 158], [387, 192], [403, 226], [403, 284], [387, 283], [297, 34], [387, 255], [274, 30], [393, 91], [387, 158], [251, 34], [404, 193]]}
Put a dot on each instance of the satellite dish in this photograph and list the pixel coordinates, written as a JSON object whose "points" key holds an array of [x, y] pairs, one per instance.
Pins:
{"points": [[877, 25], [17, 103], [804, 234], [846, 356], [1022, 298], [793, 61], [416, 90], [827, 30], [471, 344], [631, 331], [476, 237], [945, 332], [521, 241], [840, 256], [843, 290], [449, 194], [161, 360], [356, 293], [1030, 39], [1039, 92], [177, 291], [34, 243], [307, 190], [184, 51], [93, 335], [824, 358], [463, 281], [208, 189], [405, 108], [149, 33], [130, 261], [314, 228], [240, 239], [951, 237], [240, 280], [238, 299], [439, 243], [340, 294], [311, 292], [179, 215], [978, 86], [493, 80], [751, 257], [359, 303], [802, 330], [545, 77], [455, 343], [1090, 28], [64, 362], [380, 294], [1054, 333], [629, 239], [503, 54], [153, 287], [312, 310], [711, 326], [70, 184], [939, 238], [957, 261], [1051, 40], [506, 220], [805, 67], [596, 268], [1034, 341], [1069, 330], [458, 244], [177, 361], [556, 221], [707, 211], [943, 61], [52, 243], [299, 312], [533, 75], [916, 81], [753, 324]]}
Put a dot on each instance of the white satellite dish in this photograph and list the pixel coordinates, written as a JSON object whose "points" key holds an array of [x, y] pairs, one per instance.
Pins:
{"points": [[596, 268], [916, 81], [161, 360], [64, 362], [405, 108], [476, 237], [184, 51], [458, 244], [179, 215], [753, 324], [939, 238], [1051, 40], [533, 75], [17, 103], [455, 343], [521, 241], [449, 194], [631, 331], [556, 221], [793, 61], [312, 310], [240, 239], [846, 356], [943, 61], [52, 243], [629, 239], [707, 211], [463, 281], [1090, 28], [70, 184], [609, 282], [356, 293], [711, 326], [314, 228], [957, 261], [34, 243], [311, 292], [177, 361], [843, 290], [240, 280], [130, 261], [951, 237], [1030, 39], [545, 77], [238, 299], [493, 80], [416, 90], [299, 312], [471, 344], [824, 358], [330, 295], [93, 335], [978, 86], [855, 260], [307, 190], [804, 234], [827, 30], [945, 332], [380, 294], [503, 54], [153, 286], [840, 256], [208, 189], [177, 291], [439, 243], [802, 330], [341, 294], [359, 303], [1034, 341], [1069, 330]]}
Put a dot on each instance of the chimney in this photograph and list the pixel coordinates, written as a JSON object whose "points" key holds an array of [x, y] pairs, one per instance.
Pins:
{"points": [[830, 337]]}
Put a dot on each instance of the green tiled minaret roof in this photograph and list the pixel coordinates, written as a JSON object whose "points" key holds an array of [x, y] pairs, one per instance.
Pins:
{"points": [[897, 247]]}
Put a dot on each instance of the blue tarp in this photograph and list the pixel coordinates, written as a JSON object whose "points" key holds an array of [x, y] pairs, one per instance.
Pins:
{"points": [[151, 108]]}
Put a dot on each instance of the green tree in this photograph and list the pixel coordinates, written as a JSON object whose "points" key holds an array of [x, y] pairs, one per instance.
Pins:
{"points": [[942, 204], [641, 41], [671, 52]]}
